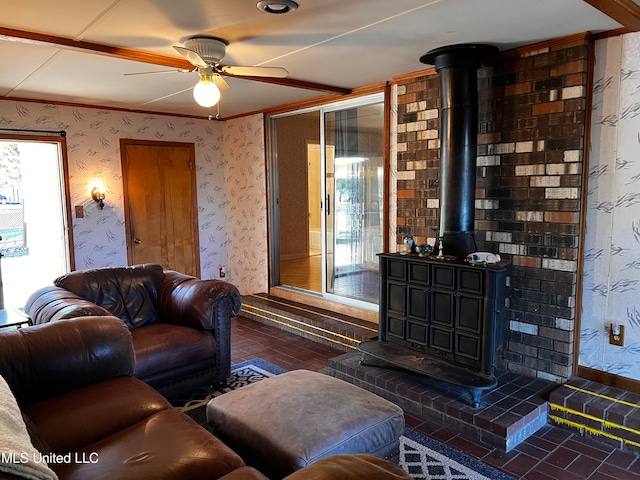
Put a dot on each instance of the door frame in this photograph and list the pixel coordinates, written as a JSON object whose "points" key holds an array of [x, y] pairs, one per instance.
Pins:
{"points": [[64, 175], [273, 192], [124, 142], [60, 142]]}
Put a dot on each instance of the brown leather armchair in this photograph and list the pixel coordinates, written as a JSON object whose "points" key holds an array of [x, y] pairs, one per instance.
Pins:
{"points": [[180, 324]]}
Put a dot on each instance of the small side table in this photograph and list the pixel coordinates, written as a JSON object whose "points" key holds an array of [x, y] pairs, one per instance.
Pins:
{"points": [[13, 318]]}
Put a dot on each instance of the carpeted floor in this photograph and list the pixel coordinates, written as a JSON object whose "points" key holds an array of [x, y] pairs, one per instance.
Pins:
{"points": [[421, 456]]}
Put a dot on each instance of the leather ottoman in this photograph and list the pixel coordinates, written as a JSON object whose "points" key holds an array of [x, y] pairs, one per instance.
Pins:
{"points": [[286, 422]]}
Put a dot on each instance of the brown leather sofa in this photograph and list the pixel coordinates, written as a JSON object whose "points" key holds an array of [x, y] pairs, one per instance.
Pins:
{"points": [[181, 325], [73, 383]]}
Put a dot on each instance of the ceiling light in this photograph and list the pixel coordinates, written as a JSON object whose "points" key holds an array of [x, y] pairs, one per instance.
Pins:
{"points": [[206, 93], [277, 6]]}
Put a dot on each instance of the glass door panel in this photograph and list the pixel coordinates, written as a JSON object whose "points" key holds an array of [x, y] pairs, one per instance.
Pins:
{"points": [[354, 200]]}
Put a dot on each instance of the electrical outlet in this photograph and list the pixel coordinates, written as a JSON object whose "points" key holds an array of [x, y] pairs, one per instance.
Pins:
{"points": [[222, 272], [616, 335]]}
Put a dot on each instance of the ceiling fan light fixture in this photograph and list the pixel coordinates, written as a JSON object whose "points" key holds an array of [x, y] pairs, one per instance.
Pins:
{"points": [[206, 93], [277, 7]]}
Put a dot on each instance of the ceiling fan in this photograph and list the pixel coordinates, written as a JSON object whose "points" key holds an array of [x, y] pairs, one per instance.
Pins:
{"points": [[205, 53]]}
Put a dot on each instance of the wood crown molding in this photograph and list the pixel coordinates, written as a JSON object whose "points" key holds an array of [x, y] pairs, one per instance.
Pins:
{"points": [[625, 12]]}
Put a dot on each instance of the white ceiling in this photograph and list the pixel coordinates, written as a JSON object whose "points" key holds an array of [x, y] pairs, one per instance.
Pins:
{"points": [[346, 43]]}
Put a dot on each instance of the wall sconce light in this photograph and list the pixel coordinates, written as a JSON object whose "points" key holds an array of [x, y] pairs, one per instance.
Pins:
{"points": [[98, 195]]}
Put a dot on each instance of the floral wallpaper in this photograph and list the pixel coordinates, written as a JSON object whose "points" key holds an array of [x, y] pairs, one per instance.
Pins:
{"points": [[246, 201], [227, 158], [611, 290]]}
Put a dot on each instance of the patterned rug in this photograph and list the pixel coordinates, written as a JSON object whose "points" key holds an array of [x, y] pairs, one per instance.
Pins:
{"points": [[421, 456]]}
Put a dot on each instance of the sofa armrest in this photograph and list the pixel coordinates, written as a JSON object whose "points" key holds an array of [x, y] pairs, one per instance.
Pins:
{"points": [[195, 303], [42, 361], [49, 304], [208, 304]]}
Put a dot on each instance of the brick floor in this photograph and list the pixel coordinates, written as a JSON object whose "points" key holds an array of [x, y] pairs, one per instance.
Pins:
{"points": [[552, 453]]}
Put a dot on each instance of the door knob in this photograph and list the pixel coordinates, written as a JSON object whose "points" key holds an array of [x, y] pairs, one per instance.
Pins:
{"points": [[137, 241]]}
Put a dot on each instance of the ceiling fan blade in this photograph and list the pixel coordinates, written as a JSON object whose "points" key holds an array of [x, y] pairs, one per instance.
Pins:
{"points": [[191, 56], [177, 70], [292, 82], [273, 72], [221, 83]]}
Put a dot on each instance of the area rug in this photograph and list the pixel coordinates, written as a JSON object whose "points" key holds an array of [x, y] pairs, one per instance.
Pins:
{"points": [[422, 457]]}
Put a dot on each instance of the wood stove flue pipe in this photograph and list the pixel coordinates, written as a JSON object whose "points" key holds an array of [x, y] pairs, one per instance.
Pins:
{"points": [[457, 67]]}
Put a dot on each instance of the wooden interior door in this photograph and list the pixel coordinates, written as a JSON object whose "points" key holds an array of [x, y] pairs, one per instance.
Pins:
{"points": [[160, 204]]}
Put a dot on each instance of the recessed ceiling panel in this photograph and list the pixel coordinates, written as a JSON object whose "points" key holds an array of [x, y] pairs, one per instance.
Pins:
{"points": [[64, 18]]}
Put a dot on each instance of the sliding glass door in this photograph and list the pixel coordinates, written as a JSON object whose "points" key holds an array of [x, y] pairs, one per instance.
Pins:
{"points": [[327, 200]]}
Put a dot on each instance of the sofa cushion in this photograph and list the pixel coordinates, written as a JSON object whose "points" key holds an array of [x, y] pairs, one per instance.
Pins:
{"points": [[168, 445], [62, 421], [129, 293], [165, 347]]}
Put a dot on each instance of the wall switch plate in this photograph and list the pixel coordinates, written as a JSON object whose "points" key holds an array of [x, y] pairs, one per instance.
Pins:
{"points": [[616, 338], [79, 211]]}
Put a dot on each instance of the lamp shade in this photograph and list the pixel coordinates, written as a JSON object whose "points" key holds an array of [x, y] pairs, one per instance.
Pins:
{"points": [[206, 93]]}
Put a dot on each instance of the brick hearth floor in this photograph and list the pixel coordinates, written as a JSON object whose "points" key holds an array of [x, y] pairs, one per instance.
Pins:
{"points": [[551, 453]]}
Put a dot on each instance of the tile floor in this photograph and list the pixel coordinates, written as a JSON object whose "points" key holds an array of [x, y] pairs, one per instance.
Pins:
{"points": [[550, 453]]}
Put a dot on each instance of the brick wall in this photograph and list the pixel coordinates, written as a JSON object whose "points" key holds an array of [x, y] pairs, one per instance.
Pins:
{"points": [[530, 151]]}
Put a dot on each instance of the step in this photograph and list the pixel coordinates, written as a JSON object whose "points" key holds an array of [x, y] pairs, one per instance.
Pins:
{"points": [[339, 331], [607, 414]]}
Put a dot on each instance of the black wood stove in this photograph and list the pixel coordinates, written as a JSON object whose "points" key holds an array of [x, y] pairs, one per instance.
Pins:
{"points": [[439, 315]]}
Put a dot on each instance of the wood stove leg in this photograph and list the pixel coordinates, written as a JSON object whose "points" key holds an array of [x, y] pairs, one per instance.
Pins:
{"points": [[377, 362], [475, 396]]}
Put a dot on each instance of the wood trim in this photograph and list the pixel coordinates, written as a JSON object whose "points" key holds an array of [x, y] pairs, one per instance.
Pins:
{"points": [[583, 208], [554, 43], [611, 33], [625, 12], [607, 378], [324, 100], [561, 42], [67, 198], [409, 77], [102, 107], [386, 167], [12, 35]]}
